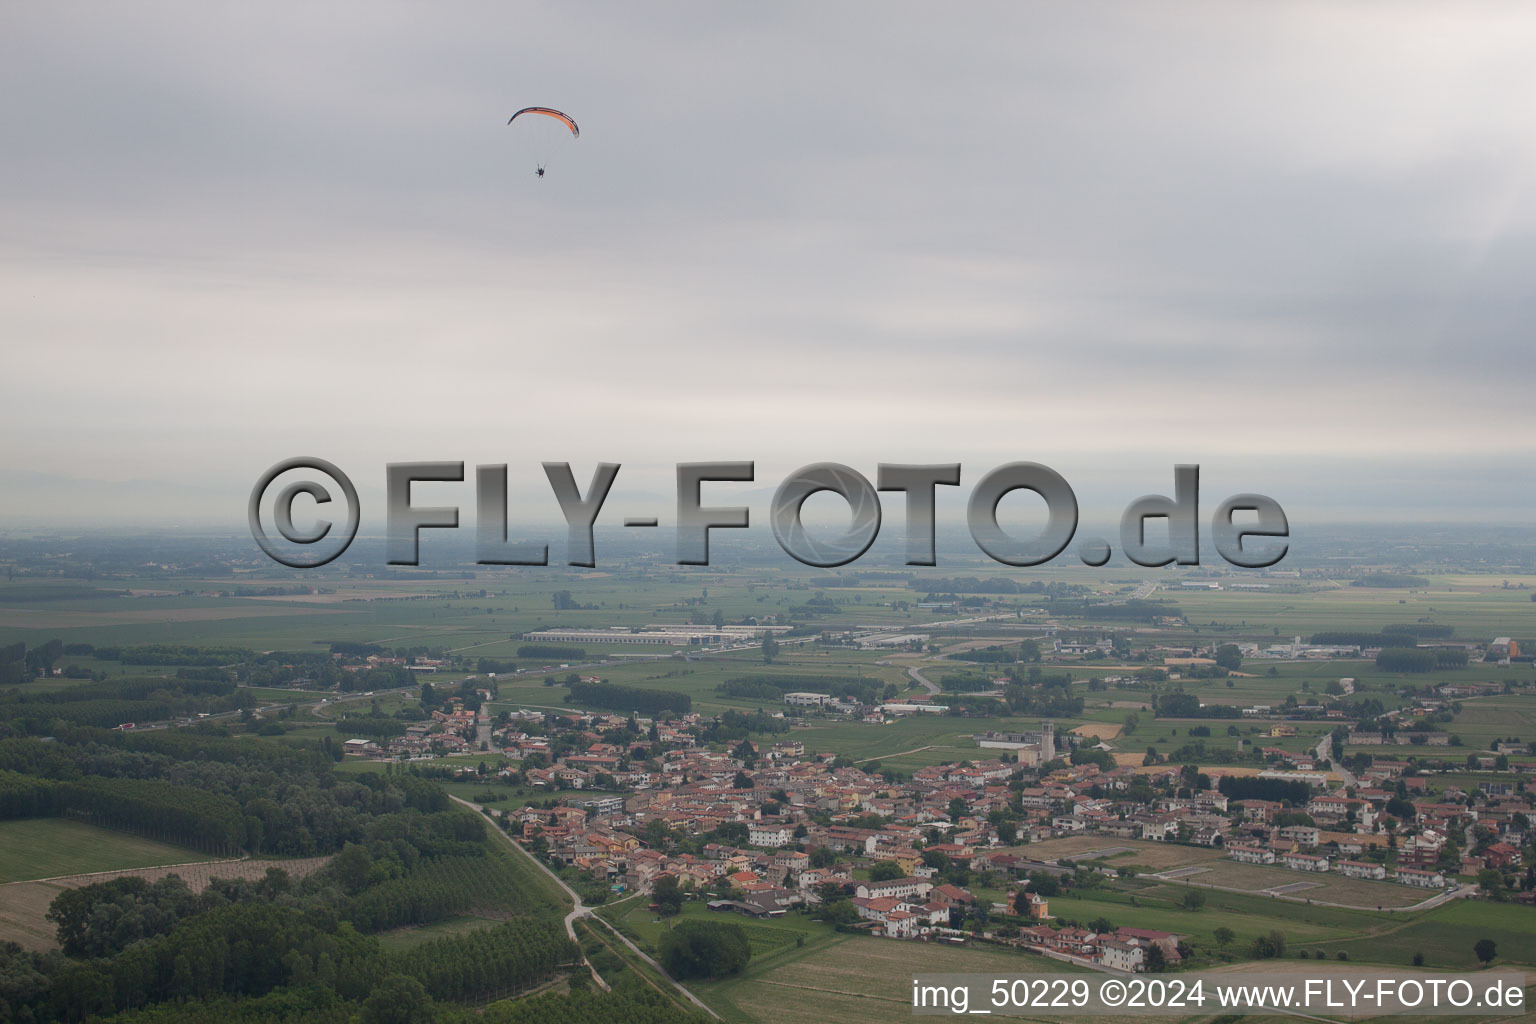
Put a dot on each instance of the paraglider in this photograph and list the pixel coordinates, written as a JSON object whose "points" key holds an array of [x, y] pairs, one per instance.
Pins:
{"points": [[558, 116], [548, 112]]}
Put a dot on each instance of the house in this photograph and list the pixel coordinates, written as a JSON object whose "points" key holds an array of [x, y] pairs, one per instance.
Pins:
{"points": [[1167, 942], [601, 804], [936, 912], [1260, 810], [953, 894], [1304, 835], [900, 887], [1502, 855], [1304, 862], [1336, 806], [1075, 941], [1361, 869], [1206, 836], [1038, 907], [771, 835], [1037, 935], [1122, 956], [877, 908], [1250, 853], [1421, 877]]}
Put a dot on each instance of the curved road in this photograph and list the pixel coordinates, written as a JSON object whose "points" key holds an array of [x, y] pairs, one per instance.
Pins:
{"points": [[580, 909], [917, 674]]}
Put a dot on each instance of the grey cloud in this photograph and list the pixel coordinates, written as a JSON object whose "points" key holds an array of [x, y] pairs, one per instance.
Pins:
{"points": [[1119, 235]]}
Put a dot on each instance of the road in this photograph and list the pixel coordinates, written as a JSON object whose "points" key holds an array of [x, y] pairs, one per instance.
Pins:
{"points": [[1324, 752], [642, 954], [917, 674], [580, 910], [899, 753]]}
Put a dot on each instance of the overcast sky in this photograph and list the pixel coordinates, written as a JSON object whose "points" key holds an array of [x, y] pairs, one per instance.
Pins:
{"points": [[1291, 242]]}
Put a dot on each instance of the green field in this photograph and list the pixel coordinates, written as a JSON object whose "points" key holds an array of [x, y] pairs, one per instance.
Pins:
{"points": [[1447, 934], [49, 847], [766, 934], [852, 979], [407, 938], [1485, 719], [1476, 606]]}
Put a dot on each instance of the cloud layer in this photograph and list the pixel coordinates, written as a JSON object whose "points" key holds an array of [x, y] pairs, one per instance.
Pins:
{"points": [[1293, 243]]}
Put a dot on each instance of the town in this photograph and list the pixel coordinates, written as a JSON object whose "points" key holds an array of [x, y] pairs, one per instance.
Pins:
{"points": [[762, 828]]}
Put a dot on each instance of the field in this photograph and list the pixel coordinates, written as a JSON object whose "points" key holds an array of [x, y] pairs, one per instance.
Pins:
{"points": [[1477, 606], [49, 847], [766, 935], [1324, 886], [1485, 719], [802, 971], [24, 904], [852, 979], [1200, 867], [1447, 934], [399, 939], [23, 910]]}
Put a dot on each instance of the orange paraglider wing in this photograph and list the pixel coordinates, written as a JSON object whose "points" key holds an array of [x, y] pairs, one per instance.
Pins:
{"points": [[548, 112]]}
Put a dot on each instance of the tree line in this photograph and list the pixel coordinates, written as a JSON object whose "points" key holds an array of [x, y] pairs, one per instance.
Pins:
{"points": [[614, 697]]}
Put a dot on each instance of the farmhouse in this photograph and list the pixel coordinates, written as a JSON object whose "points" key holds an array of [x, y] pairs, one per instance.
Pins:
{"points": [[1122, 956]]}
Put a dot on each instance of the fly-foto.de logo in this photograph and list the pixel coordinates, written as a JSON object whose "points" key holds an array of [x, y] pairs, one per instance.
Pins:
{"points": [[1248, 530]]}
